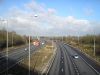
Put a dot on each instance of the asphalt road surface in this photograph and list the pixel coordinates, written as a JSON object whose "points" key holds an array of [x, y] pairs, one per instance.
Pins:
{"points": [[14, 57], [65, 64]]}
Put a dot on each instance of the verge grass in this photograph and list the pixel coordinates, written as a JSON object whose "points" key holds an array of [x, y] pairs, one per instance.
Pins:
{"points": [[40, 59]]}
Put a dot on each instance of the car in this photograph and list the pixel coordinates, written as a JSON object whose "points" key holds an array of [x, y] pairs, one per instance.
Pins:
{"points": [[42, 43], [75, 56], [25, 49]]}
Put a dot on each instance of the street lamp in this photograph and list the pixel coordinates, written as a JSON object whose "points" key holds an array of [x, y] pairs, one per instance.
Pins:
{"points": [[7, 32], [6, 42], [12, 39], [7, 46], [94, 44], [62, 39], [78, 39], [29, 49]]}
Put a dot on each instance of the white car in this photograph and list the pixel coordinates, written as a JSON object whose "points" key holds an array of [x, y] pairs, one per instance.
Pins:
{"points": [[75, 56], [42, 43], [25, 49]]}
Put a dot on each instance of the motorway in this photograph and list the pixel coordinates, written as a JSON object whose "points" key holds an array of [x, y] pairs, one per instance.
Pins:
{"points": [[14, 58], [65, 64]]}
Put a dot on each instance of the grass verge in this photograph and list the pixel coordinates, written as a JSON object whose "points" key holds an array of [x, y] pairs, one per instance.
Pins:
{"points": [[40, 59]]}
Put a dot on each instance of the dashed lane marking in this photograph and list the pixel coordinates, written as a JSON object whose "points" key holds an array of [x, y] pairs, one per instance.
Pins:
{"points": [[62, 62], [62, 57], [62, 69]]}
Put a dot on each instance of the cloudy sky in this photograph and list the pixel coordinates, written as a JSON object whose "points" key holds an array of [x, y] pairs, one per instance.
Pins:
{"points": [[51, 17]]}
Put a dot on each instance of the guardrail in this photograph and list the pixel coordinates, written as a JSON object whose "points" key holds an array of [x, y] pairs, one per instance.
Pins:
{"points": [[46, 69]]}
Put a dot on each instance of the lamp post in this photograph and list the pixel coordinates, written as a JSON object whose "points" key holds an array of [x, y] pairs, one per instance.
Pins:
{"points": [[6, 43], [29, 54], [62, 39], [78, 39], [12, 39], [7, 46], [94, 44], [30, 50]]}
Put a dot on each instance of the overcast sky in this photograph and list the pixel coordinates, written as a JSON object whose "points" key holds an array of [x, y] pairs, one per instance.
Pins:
{"points": [[51, 17]]}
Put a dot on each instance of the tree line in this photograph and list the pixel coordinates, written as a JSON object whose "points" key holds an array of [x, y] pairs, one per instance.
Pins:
{"points": [[14, 39]]}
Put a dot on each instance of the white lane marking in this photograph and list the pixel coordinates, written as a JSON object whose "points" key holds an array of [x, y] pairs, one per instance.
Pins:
{"points": [[62, 57], [12, 65], [62, 62], [78, 73], [2, 56], [75, 67], [62, 69], [86, 62], [90, 66]]}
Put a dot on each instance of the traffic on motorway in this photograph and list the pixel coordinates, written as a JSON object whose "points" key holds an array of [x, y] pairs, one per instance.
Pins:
{"points": [[49, 37], [66, 61]]}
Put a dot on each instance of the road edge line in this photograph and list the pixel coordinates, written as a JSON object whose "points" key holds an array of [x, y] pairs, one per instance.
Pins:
{"points": [[86, 62]]}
